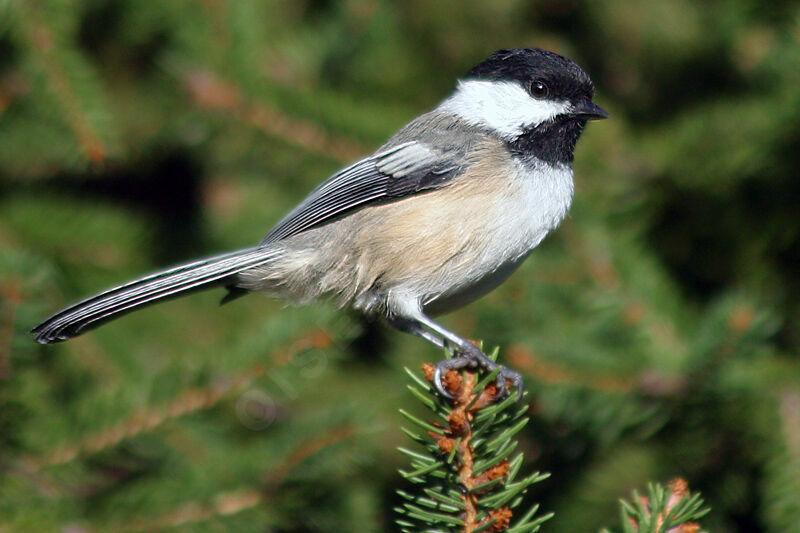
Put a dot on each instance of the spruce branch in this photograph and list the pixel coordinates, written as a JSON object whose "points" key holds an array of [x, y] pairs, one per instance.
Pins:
{"points": [[229, 502], [45, 31], [670, 509], [185, 403], [209, 91], [465, 477]]}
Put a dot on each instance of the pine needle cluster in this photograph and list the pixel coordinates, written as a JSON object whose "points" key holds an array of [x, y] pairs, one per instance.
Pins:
{"points": [[466, 478], [670, 509]]}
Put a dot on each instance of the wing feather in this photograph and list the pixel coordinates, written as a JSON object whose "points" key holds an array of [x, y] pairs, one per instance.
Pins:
{"points": [[399, 171]]}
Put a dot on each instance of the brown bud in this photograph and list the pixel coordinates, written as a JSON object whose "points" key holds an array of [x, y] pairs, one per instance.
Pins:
{"points": [[688, 527], [445, 444], [459, 424], [502, 518], [452, 382], [428, 369], [498, 470], [680, 489]]}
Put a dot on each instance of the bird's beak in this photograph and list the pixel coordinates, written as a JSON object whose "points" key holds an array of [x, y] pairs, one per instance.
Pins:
{"points": [[588, 110]]}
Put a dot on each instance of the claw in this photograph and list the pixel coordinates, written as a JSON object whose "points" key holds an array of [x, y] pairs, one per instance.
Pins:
{"points": [[500, 383], [515, 378], [470, 356], [437, 382]]}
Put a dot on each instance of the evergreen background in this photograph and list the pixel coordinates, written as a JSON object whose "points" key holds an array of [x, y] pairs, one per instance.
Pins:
{"points": [[658, 328]]}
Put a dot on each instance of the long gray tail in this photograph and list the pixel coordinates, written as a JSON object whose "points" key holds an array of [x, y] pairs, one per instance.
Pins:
{"points": [[175, 281]]}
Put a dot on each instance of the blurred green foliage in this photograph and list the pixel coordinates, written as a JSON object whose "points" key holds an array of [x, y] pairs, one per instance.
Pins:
{"points": [[658, 328]]}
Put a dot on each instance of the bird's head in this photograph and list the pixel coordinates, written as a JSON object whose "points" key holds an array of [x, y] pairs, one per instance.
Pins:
{"points": [[515, 92]]}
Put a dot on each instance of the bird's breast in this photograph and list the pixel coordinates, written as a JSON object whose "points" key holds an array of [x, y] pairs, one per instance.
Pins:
{"points": [[530, 201]]}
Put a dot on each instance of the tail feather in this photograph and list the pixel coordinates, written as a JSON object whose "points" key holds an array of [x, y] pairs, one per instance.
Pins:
{"points": [[110, 304]]}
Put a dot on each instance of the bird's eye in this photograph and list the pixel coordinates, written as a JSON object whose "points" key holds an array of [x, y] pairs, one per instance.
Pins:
{"points": [[539, 89]]}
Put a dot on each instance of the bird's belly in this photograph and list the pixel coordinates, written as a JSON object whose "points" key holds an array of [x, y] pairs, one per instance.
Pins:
{"points": [[471, 289]]}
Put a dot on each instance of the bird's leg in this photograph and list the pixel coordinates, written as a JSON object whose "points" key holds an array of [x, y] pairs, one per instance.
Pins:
{"points": [[415, 328], [467, 354]]}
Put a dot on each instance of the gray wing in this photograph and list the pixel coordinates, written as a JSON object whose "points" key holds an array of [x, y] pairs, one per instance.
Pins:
{"points": [[399, 171]]}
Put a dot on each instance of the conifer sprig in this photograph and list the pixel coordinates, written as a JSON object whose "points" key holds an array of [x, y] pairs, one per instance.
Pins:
{"points": [[466, 478], [670, 509]]}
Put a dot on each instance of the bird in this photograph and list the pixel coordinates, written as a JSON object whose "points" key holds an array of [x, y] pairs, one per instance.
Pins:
{"points": [[439, 215]]}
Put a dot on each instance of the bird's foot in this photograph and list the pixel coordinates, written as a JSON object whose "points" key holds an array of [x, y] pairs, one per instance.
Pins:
{"points": [[471, 357]]}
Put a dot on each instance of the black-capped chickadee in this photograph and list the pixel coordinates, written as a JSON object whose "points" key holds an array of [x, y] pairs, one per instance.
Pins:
{"points": [[438, 216]]}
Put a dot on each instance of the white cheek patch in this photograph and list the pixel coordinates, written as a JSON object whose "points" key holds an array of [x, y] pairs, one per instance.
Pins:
{"points": [[503, 106]]}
